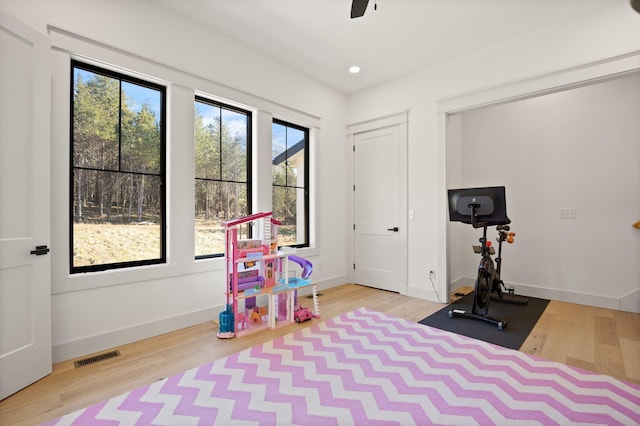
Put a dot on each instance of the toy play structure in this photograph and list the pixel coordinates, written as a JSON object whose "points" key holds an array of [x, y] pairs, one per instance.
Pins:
{"points": [[260, 292]]}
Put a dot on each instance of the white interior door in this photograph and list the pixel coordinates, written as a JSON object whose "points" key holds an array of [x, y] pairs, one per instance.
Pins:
{"points": [[380, 228], [25, 282]]}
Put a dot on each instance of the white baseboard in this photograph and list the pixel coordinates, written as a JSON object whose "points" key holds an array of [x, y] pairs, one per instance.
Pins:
{"points": [[427, 294], [461, 282], [105, 341], [329, 283], [629, 302]]}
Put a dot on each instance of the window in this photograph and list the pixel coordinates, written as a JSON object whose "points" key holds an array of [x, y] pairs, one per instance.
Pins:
{"points": [[223, 172], [290, 166], [117, 206]]}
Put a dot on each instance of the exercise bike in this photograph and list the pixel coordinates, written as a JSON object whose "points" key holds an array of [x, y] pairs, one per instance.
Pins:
{"points": [[484, 207]]}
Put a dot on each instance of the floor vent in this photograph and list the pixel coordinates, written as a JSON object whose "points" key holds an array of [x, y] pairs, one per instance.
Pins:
{"points": [[96, 358]]}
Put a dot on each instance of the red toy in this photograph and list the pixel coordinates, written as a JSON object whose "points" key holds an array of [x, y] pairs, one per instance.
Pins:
{"points": [[302, 314]]}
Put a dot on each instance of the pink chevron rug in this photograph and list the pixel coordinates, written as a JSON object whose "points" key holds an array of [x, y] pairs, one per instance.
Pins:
{"points": [[367, 368]]}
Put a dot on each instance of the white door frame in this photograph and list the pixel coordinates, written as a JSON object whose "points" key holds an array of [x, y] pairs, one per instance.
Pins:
{"points": [[401, 119]]}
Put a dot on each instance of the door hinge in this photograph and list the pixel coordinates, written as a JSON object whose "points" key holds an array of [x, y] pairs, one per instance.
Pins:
{"points": [[354, 148], [354, 226], [354, 266], [354, 187]]}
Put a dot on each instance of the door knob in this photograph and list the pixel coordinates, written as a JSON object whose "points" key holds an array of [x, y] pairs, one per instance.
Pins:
{"points": [[40, 250], [394, 229]]}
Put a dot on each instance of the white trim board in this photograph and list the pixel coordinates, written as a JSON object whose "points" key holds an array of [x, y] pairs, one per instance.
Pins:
{"points": [[378, 123], [570, 78]]}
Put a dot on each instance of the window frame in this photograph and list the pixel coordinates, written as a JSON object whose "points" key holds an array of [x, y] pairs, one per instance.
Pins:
{"points": [[307, 179], [249, 161], [162, 175]]}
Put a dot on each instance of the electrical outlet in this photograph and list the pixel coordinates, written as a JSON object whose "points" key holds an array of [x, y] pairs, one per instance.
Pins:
{"points": [[568, 213]]}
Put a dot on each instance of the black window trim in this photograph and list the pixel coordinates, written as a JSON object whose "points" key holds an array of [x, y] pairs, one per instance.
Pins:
{"points": [[75, 64], [307, 171], [249, 175]]}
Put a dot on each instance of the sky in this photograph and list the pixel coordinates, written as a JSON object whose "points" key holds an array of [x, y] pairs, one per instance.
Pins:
{"points": [[136, 95], [235, 122]]}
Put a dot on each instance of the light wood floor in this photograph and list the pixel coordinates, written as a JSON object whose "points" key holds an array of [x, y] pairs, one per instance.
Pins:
{"points": [[599, 340]]}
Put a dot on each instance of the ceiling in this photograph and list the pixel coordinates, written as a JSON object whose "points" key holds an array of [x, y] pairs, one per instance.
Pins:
{"points": [[318, 38]]}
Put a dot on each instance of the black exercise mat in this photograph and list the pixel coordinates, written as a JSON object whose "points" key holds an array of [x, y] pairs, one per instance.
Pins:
{"points": [[520, 321]]}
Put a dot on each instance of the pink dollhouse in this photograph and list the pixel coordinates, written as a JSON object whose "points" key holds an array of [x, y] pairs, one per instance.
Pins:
{"points": [[260, 292]]}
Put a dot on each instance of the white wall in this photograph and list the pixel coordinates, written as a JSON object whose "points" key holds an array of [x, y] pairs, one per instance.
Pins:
{"points": [[520, 65], [572, 149], [91, 312]]}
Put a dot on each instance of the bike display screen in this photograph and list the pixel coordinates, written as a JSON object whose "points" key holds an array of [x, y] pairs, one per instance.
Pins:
{"points": [[489, 204]]}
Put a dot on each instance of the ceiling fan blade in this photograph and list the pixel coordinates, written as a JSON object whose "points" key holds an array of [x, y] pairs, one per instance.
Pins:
{"points": [[358, 7]]}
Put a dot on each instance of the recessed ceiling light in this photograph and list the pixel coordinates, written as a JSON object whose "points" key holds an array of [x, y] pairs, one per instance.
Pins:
{"points": [[354, 69]]}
